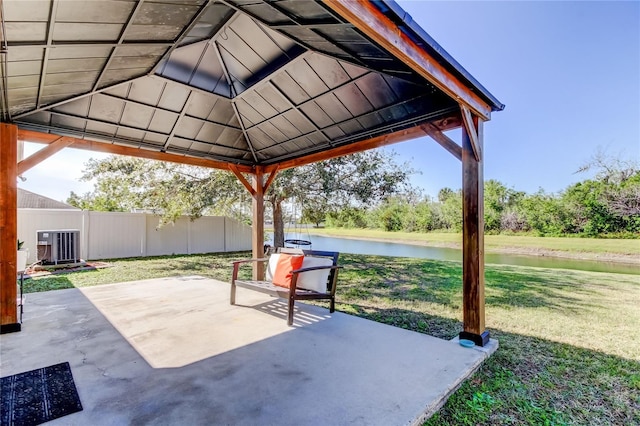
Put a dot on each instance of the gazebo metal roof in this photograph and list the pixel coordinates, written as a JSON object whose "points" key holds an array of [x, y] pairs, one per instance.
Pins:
{"points": [[246, 82]]}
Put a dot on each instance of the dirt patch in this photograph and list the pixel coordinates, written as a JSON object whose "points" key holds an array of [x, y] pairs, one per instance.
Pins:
{"points": [[38, 271]]}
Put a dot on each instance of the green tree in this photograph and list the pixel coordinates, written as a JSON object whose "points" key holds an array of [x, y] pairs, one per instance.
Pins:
{"points": [[171, 190], [167, 189], [354, 181], [393, 214], [315, 214], [348, 217], [452, 211], [96, 201], [610, 202], [547, 214], [498, 200]]}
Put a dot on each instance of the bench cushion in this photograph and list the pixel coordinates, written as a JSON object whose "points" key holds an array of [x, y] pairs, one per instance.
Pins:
{"points": [[311, 280], [271, 266], [286, 263], [315, 280]]}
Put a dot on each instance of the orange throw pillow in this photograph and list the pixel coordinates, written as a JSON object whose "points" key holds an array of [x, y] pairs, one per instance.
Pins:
{"points": [[287, 263]]}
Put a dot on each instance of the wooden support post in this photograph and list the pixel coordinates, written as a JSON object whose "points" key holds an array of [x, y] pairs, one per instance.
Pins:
{"points": [[258, 224], [8, 228], [473, 240]]}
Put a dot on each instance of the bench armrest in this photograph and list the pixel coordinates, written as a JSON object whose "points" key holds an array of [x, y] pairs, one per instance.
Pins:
{"points": [[263, 259], [315, 268], [237, 263]]}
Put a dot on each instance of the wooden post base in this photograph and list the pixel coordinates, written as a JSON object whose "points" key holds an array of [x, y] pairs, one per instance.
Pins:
{"points": [[478, 339], [10, 328]]}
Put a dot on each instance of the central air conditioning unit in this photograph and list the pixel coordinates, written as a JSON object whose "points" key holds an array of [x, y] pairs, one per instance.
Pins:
{"points": [[59, 246]]}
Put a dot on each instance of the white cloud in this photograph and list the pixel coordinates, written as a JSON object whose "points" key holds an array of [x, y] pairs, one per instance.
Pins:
{"points": [[59, 174]]}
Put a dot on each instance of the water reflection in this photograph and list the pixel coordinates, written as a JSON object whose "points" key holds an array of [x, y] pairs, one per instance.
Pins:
{"points": [[345, 245]]}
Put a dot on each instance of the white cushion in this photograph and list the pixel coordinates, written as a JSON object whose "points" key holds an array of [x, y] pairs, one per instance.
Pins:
{"points": [[314, 280], [271, 266]]}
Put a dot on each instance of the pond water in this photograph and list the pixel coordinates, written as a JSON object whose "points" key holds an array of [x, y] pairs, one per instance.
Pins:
{"points": [[346, 245]]}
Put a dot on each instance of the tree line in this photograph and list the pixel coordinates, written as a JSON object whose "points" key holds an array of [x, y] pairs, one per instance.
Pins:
{"points": [[606, 205], [368, 190]]}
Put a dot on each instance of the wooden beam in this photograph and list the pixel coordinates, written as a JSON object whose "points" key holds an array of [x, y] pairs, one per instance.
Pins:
{"points": [[375, 142], [39, 137], [257, 226], [472, 132], [8, 228], [444, 140], [472, 243], [270, 179], [378, 27], [242, 179], [46, 152]]}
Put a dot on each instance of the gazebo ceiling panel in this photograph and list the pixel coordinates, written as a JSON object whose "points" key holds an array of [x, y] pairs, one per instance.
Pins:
{"points": [[108, 11], [22, 81], [163, 121], [38, 11], [212, 19], [26, 31], [174, 97], [55, 66], [188, 128], [136, 115], [67, 122], [98, 129], [29, 67], [61, 78], [19, 54], [144, 90], [197, 65], [305, 10], [244, 81], [65, 31], [124, 133], [247, 63]]}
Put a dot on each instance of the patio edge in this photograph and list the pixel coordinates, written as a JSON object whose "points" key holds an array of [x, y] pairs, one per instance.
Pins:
{"points": [[430, 410]]}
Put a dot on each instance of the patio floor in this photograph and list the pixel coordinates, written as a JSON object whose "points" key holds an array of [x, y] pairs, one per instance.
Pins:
{"points": [[172, 351]]}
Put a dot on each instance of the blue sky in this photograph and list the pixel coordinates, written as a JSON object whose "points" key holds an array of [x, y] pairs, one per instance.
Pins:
{"points": [[568, 72]]}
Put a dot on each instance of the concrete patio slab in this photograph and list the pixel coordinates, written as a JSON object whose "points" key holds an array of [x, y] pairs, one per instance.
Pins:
{"points": [[172, 351]]}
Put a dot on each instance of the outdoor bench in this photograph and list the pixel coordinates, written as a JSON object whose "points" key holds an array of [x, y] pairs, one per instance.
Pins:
{"points": [[315, 280]]}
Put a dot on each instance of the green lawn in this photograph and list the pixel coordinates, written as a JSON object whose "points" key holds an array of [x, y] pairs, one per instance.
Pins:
{"points": [[569, 340]]}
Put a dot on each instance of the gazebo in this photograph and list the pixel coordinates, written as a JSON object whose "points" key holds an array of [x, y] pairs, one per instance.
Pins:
{"points": [[249, 86]]}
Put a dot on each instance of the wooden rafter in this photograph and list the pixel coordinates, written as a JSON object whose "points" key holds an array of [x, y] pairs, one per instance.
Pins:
{"points": [[472, 131], [270, 179], [444, 140], [242, 179], [377, 26], [375, 142], [39, 137], [41, 155]]}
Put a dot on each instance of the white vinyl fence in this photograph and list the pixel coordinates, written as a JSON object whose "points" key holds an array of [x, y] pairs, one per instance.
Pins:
{"points": [[109, 235]]}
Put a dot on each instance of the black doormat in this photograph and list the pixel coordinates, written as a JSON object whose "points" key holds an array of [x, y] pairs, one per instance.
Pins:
{"points": [[39, 396]]}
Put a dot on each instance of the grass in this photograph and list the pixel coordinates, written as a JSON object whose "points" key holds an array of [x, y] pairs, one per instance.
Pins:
{"points": [[569, 340], [525, 243]]}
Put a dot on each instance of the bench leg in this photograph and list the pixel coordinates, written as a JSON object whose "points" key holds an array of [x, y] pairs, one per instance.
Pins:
{"points": [[233, 294], [291, 303], [332, 305]]}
